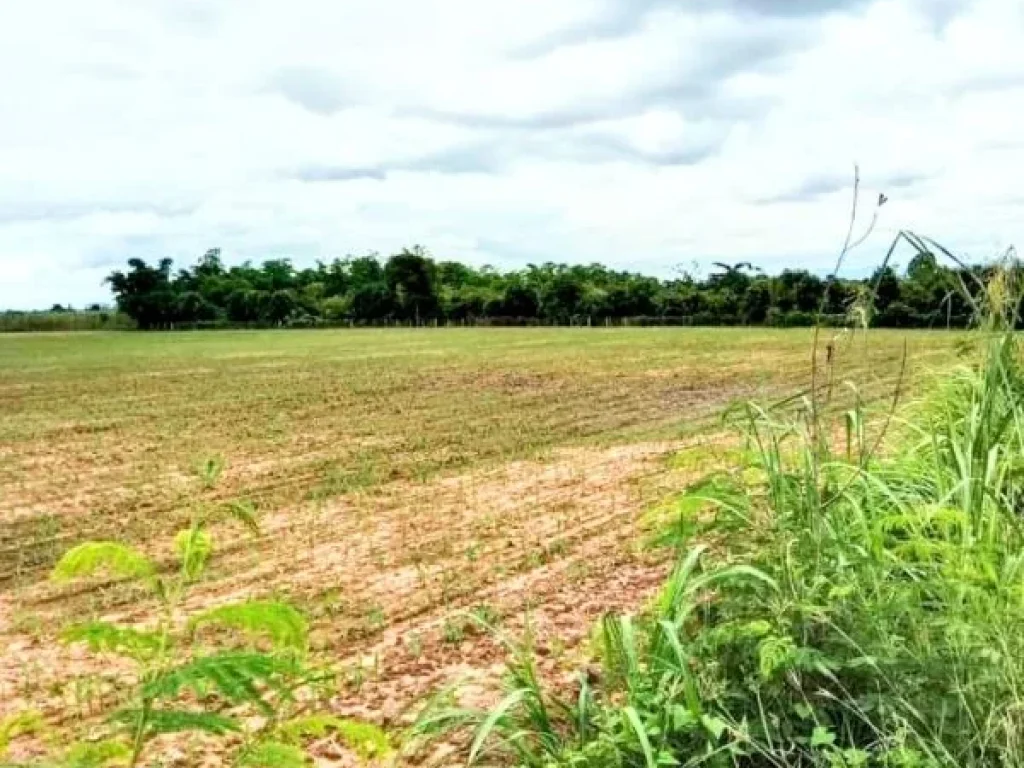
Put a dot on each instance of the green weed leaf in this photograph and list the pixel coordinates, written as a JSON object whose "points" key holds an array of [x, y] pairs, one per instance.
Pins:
{"points": [[104, 637], [236, 676], [774, 654], [641, 734], [194, 546], [274, 754], [175, 721], [822, 737], [102, 556], [365, 739], [19, 724], [100, 754], [281, 623], [493, 718], [715, 726], [244, 512], [209, 470]]}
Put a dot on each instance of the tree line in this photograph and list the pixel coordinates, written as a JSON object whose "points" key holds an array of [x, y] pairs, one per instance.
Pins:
{"points": [[410, 287]]}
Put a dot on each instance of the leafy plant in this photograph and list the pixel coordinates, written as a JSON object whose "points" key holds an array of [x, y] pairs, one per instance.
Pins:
{"points": [[185, 686]]}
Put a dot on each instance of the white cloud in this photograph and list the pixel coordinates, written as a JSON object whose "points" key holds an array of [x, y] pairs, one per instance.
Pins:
{"points": [[642, 133]]}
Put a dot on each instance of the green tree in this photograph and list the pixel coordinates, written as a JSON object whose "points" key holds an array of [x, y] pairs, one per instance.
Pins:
{"points": [[281, 305], [372, 302], [145, 293], [411, 287], [518, 300], [560, 296], [193, 307], [410, 278], [756, 302]]}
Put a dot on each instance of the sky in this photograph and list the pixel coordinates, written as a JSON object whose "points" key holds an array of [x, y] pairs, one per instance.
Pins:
{"points": [[652, 135]]}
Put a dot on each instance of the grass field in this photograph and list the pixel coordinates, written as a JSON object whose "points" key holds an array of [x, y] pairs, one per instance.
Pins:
{"points": [[399, 475]]}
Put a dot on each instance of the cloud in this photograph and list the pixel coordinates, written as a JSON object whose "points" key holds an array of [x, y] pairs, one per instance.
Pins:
{"points": [[816, 187], [193, 16], [503, 151], [641, 133], [612, 149], [472, 158], [620, 18], [905, 180], [566, 117], [22, 211], [310, 88], [811, 189], [696, 94], [697, 58], [338, 173], [940, 13]]}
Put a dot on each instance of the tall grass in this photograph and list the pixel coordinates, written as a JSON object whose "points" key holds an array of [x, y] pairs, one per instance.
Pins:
{"points": [[855, 600]]}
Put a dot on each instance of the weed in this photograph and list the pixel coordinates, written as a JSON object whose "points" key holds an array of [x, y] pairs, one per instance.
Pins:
{"points": [[331, 603], [375, 618], [453, 631], [485, 615], [209, 470], [181, 685], [354, 677], [414, 644]]}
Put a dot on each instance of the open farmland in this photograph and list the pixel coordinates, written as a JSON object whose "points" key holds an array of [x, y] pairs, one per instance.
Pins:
{"points": [[399, 476]]}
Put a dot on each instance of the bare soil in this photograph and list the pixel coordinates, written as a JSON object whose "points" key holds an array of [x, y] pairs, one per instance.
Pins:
{"points": [[389, 577]]}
